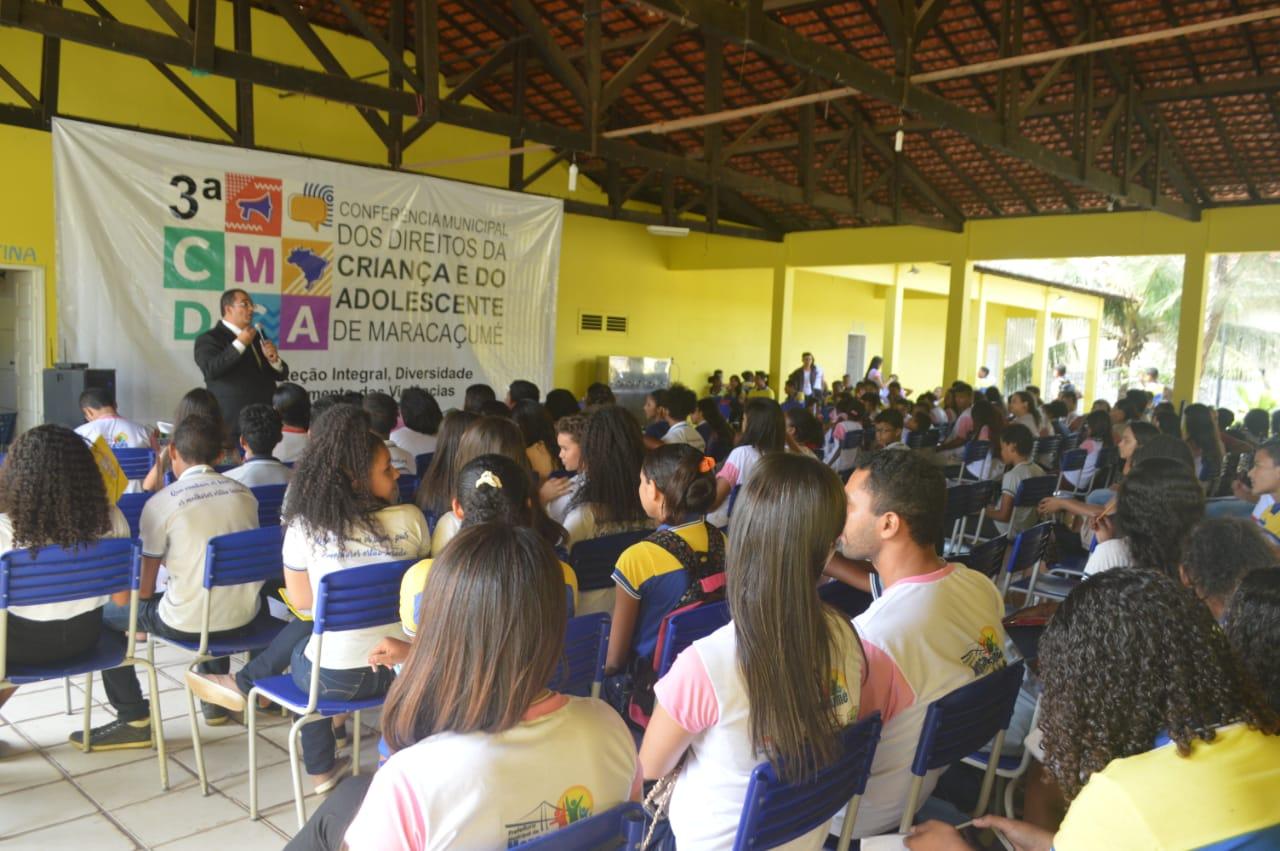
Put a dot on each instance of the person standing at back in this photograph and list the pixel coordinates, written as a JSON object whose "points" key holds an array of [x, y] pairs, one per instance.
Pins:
{"points": [[935, 627], [240, 366], [176, 526]]}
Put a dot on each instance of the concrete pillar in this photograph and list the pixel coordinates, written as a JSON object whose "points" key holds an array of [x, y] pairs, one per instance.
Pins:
{"points": [[1040, 360], [892, 324], [1195, 295], [959, 358], [1092, 375], [784, 285]]}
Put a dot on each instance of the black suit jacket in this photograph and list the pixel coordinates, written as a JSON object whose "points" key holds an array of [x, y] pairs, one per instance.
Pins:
{"points": [[236, 379]]}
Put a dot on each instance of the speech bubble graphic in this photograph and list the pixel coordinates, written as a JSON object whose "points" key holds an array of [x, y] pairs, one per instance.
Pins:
{"points": [[309, 210]]}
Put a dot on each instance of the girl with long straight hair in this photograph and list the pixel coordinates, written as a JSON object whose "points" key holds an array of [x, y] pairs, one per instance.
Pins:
{"points": [[764, 430], [478, 740], [435, 494], [1201, 427], [781, 680]]}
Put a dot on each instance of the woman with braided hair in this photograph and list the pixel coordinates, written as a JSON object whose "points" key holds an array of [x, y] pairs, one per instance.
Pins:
{"points": [[1152, 728], [52, 495]]}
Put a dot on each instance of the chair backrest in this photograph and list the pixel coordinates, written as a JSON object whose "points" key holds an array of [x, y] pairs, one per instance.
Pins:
{"points": [[1047, 446], [915, 439], [593, 560], [986, 492], [959, 723], [1073, 459], [423, 461], [586, 642], [852, 439], [775, 812], [1029, 547], [621, 828], [57, 575], [963, 500], [130, 505], [846, 598], [360, 597], [8, 425], [408, 486], [1034, 489], [240, 557], [986, 558], [976, 450], [1108, 460], [687, 627], [135, 463], [270, 502], [733, 499]]}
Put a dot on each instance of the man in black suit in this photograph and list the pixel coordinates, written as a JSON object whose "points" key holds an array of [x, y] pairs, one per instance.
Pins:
{"points": [[239, 365]]}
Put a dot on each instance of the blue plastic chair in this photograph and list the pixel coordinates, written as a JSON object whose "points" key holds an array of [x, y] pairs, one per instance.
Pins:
{"points": [[846, 598], [8, 425], [926, 439], [987, 558], [135, 463], [964, 501], [581, 668], [775, 813], [960, 723], [130, 505], [1032, 490], [355, 598], [270, 504], [1050, 446], [235, 559], [55, 575], [422, 462], [1027, 555], [408, 486], [975, 451], [687, 627], [623, 827], [594, 560], [1073, 461]]}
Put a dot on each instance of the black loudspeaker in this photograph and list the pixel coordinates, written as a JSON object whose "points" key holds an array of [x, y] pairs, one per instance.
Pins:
{"points": [[62, 389]]}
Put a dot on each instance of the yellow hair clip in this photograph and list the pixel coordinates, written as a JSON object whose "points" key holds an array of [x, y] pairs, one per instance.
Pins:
{"points": [[488, 477]]}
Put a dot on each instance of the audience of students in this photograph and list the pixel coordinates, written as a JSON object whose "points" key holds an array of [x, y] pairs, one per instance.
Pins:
{"points": [[1252, 623], [608, 501], [764, 430], [1220, 552], [422, 417], [1156, 507], [680, 404], [570, 433], [1264, 490]]}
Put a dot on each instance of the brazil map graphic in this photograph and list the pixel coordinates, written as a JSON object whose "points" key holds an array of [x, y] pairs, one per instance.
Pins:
{"points": [[275, 243]]}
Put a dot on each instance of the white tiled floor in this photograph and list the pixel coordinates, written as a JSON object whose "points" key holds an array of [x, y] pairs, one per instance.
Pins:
{"points": [[54, 796]]}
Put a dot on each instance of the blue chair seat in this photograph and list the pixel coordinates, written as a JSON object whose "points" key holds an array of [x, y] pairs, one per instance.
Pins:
{"points": [[1005, 763], [258, 634], [283, 691], [1055, 587], [621, 827], [109, 652]]}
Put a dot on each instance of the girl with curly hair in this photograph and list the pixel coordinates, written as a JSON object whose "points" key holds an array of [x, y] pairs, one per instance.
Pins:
{"points": [[51, 495], [340, 513], [607, 501], [1153, 729], [1253, 626]]}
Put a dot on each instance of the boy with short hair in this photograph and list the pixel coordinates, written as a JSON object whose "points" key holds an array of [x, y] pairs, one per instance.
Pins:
{"points": [[176, 526], [889, 425], [383, 413], [680, 404], [101, 419], [293, 404], [761, 388], [260, 431], [1016, 443]]}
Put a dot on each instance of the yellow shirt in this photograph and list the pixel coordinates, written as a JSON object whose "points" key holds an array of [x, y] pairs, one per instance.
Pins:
{"points": [[415, 579], [1225, 789], [764, 392]]}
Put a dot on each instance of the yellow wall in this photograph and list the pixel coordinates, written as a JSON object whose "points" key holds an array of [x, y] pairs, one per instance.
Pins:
{"points": [[827, 309]]}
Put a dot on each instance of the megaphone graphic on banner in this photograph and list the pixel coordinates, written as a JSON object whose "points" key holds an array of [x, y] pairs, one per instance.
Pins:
{"points": [[260, 206]]}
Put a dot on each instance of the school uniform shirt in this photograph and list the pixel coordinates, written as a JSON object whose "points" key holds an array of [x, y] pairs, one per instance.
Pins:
{"points": [[259, 471], [70, 608], [837, 456], [684, 433], [414, 442], [1221, 795], [1108, 555], [569, 758], [404, 536], [1040, 429], [1083, 477], [292, 442], [176, 526], [558, 508], [924, 636], [656, 578], [656, 429], [446, 527], [415, 579], [118, 432], [401, 460], [581, 524], [737, 472], [1022, 518], [761, 393], [1267, 515], [705, 693]]}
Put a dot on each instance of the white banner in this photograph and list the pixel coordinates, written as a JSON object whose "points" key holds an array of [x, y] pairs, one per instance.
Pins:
{"points": [[365, 279]]}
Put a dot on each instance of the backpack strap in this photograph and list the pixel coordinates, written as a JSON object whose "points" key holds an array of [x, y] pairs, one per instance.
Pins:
{"points": [[699, 565]]}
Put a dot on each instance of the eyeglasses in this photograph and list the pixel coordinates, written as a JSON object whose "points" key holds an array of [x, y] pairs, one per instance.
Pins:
{"points": [[242, 303]]}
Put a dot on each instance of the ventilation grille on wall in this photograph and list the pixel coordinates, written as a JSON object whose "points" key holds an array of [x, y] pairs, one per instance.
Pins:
{"points": [[600, 322]]}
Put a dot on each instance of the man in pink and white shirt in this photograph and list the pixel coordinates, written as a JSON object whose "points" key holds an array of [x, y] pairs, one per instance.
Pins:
{"points": [[935, 627]]}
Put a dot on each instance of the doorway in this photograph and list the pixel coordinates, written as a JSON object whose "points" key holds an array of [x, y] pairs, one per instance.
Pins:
{"points": [[855, 361], [21, 344]]}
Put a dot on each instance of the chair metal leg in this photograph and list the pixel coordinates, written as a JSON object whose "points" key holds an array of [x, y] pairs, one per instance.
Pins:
{"points": [[913, 801], [196, 744], [988, 779], [355, 745], [88, 709], [157, 724], [295, 763], [846, 827], [66, 692], [251, 710], [1008, 796]]}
